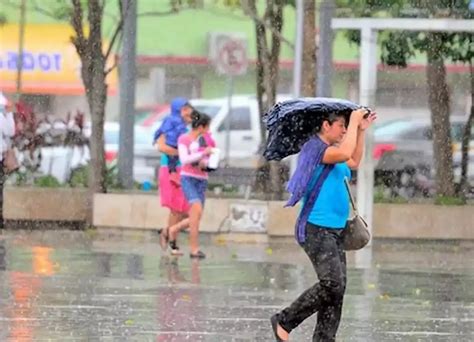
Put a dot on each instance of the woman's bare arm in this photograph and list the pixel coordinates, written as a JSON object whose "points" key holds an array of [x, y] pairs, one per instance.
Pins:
{"points": [[344, 152], [160, 144], [354, 162]]}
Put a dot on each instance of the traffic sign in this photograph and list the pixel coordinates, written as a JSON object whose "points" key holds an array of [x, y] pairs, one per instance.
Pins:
{"points": [[232, 57]]}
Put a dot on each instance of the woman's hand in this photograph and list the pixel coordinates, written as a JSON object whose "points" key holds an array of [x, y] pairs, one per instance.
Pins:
{"points": [[207, 151], [367, 122], [358, 115]]}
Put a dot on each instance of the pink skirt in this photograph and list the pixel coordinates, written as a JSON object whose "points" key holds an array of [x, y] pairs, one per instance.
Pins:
{"points": [[171, 196]]}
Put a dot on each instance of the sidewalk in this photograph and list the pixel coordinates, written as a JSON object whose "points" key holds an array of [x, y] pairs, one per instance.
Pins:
{"points": [[95, 286]]}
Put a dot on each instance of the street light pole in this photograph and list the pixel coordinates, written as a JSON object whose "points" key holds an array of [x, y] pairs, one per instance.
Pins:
{"points": [[128, 72], [298, 55], [21, 43], [324, 60], [297, 64]]}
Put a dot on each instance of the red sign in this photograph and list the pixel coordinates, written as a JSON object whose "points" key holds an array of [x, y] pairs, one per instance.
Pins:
{"points": [[232, 57]]}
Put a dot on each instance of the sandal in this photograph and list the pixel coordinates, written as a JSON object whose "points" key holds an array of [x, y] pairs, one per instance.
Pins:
{"points": [[275, 323], [198, 255], [174, 248]]}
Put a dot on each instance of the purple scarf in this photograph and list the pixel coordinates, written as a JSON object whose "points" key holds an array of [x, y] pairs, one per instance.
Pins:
{"points": [[310, 157]]}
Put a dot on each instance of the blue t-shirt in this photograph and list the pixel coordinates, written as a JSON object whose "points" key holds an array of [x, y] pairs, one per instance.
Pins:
{"points": [[331, 209], [163, 160]]}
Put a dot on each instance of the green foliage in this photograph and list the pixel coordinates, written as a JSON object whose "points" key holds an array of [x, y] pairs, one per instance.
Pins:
{"points": [[47, 182], [111, 178], [398, 47], [79, 177], [380, 197], [228, 3], [3, 19], [461, 47], [21, 178], [62, 11], [447, 200]]}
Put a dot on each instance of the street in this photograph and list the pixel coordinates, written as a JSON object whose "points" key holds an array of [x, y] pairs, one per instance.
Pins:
{"points": [[93, 286]]}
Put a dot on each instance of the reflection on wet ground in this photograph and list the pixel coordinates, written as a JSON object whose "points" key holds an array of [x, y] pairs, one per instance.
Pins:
{"points": [[69, 285]]}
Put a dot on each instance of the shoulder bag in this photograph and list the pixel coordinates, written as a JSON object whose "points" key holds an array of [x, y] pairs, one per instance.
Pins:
{"points": [[356, 235]]}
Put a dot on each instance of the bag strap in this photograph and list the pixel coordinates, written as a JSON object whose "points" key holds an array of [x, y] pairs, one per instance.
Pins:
{"points": [[316, 188], [351, 197], [309, 203]]}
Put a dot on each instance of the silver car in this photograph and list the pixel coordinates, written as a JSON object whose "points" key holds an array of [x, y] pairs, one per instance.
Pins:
{"points": [[145, 159], [403, 153]]}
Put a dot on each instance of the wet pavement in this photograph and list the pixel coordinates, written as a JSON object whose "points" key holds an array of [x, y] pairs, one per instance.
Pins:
{"points": [[89, 286]]}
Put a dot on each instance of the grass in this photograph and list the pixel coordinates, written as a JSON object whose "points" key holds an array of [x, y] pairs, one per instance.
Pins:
{"points": [[380, 197], [449, 200]]}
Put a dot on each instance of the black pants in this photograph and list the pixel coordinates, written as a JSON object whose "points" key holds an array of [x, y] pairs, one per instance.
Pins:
{"points": [[324, 248], [2, 182]]}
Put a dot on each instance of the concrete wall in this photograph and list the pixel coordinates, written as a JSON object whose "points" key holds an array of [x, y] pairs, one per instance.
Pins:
{"points": [[423, 221], [37, 204], [143, 211]]}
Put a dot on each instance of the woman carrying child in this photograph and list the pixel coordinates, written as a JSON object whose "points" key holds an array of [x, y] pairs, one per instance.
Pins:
{"points": [[194, 175], [166, 141]]}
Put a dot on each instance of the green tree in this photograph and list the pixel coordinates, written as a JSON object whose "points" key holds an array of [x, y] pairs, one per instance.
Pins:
{"points": [[86, 18], [462, 50], [308, 87], [399, 46], [268, 20], [269, 179]]}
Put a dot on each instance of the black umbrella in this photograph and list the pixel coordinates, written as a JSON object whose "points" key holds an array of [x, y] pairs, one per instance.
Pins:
{"points": [[291, 123]]}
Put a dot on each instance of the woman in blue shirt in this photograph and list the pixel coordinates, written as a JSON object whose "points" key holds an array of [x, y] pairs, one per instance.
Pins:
{"points": [[323, 164]]}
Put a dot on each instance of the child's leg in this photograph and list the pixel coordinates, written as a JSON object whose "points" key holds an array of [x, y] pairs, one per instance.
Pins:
{"points": [[195, 218], [173, 170], [195, 215], [173, 164], [194, 190], [174, 218], [176, 228]]}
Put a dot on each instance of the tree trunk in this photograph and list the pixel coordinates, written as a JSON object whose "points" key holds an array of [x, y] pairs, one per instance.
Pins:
{"points": [[97, 102], [276, 170], [466, 139], [89, 49], [260, 33], [269, 175], [309, 49], [440, 111]]}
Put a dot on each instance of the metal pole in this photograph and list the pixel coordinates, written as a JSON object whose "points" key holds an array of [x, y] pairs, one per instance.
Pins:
{"points": [[298, 56], [297, 64], [21, 43], [367, 88], [128, 73], [324, 60], [230, 90]]}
